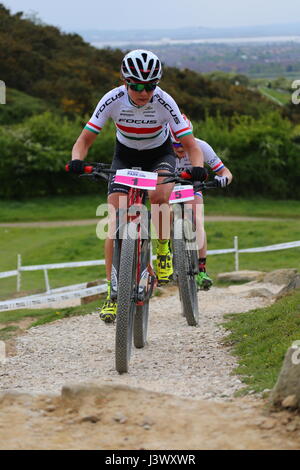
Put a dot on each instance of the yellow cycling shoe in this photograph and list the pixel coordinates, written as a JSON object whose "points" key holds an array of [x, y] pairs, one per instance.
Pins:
{"points": [[108, 311]]}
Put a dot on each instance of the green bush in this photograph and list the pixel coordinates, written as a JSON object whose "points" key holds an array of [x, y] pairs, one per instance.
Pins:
{"points": [[261, 153], [20, 106], [34, 155]]}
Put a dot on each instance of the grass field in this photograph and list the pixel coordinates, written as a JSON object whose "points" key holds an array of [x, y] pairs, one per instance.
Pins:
{"points": [[281, 97], [49, 245], [260, 339], [84, 207], [49, 209]]}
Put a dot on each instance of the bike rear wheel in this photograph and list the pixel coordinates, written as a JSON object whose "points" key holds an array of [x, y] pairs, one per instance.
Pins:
{"points": [[141, 325], [126, 305], [185, 262]]}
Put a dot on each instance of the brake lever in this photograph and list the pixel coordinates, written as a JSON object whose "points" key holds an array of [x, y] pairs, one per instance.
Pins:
{"points": [[96, 175]]}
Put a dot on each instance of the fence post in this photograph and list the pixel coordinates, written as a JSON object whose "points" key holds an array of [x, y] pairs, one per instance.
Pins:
{"points": [[48, 289], [19, 264], [236, 254]]}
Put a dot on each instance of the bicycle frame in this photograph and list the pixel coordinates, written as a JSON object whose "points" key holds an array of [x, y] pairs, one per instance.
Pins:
{"points": [[145, 276]]}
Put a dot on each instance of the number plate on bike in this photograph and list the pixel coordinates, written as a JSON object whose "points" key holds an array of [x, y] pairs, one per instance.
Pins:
{"points": [[136, 178], [182, 193]]}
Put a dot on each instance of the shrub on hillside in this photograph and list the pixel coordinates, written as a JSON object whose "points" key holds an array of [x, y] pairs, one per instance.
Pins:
{"points": [[261, 153]]}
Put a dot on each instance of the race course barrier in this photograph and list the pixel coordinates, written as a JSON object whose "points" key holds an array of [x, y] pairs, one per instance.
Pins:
{"points": [[48, 300], [79, 290]]}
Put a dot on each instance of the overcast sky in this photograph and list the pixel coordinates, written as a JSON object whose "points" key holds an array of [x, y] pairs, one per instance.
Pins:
{"points": [[75, 15]]}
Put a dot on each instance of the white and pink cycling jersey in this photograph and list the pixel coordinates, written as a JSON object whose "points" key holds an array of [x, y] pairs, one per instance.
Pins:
{"points": [[210, 158], [140, 128]]}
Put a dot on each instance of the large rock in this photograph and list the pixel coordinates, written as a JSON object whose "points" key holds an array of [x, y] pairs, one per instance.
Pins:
{"points": [[241, 276], [287, 389], [281, 276], [260, 292], [256, 289], [293, 284]]}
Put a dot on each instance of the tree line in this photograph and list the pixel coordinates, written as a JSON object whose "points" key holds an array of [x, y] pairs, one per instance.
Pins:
{"points": [[70, 74], [55, 80]]}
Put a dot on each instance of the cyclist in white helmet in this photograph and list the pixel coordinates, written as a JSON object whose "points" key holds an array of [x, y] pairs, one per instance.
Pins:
{"points": [[223, 176], [143, 114]]}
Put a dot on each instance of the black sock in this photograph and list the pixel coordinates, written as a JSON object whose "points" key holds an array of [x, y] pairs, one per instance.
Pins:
{"points": [[202, 265]]}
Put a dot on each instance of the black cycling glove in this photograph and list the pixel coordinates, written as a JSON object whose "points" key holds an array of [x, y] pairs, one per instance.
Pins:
{"points": [[198, 173], [76, 166]]}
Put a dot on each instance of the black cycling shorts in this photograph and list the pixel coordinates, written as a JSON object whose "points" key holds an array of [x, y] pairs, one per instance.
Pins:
{"points": [[156, 159]]}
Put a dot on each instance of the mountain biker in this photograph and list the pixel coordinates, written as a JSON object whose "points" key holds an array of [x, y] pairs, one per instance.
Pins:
{"points": [[223, 176], [143, 114]]}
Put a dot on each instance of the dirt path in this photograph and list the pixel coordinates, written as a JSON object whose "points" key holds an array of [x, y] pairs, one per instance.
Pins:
{"points": [[73, 223], [120, 417], [179, 393]]}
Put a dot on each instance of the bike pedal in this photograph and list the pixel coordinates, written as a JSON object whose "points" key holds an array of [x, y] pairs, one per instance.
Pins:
{"points": [[162, 283], [110, 321], [206, 286]]}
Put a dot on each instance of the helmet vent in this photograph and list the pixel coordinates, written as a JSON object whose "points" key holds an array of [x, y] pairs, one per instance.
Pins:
{"points": [[132, 67]]}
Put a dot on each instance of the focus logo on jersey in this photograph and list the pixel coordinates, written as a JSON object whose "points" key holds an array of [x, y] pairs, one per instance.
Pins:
{"points": [[168, 107], [138, 121], [108, 102]]}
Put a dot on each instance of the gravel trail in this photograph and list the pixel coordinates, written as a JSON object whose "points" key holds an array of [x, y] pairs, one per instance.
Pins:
{"points": [[178, 359]]}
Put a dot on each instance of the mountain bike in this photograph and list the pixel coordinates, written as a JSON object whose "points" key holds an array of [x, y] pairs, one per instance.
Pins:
{"points": [[184, 243], [133, 279]]}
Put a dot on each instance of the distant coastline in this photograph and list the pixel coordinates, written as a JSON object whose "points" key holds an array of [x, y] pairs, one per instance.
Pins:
{"points": [[170, 42]]}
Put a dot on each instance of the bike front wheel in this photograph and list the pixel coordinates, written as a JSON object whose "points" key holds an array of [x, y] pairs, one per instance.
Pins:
{"points": [[141, 317], [126, 305]]}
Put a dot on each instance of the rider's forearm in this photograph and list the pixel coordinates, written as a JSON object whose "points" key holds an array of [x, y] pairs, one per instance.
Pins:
{"points": [[196, 156], [80, 150], [82, 145]]}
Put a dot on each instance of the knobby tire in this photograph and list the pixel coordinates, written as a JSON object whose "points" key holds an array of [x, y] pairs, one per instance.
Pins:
{"points": [[141, 317], [185, 260], [126, 305]]}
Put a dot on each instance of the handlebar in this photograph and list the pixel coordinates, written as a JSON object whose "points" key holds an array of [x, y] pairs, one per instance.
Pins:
{"points": [[95, 170], [183, 177], [103, 170]]}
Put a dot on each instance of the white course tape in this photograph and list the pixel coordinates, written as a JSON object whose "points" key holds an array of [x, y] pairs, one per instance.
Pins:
{"points": [[73, 287], [279, 246], [48, 299], [8, 274], [75, 264], [220, 252]]}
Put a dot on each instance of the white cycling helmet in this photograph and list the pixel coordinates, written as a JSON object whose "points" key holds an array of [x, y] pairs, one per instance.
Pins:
{"points": [[141, 65], [190, 125]]}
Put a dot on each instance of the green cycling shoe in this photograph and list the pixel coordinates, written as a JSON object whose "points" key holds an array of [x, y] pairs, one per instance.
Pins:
{"points": [[204, 282]]}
